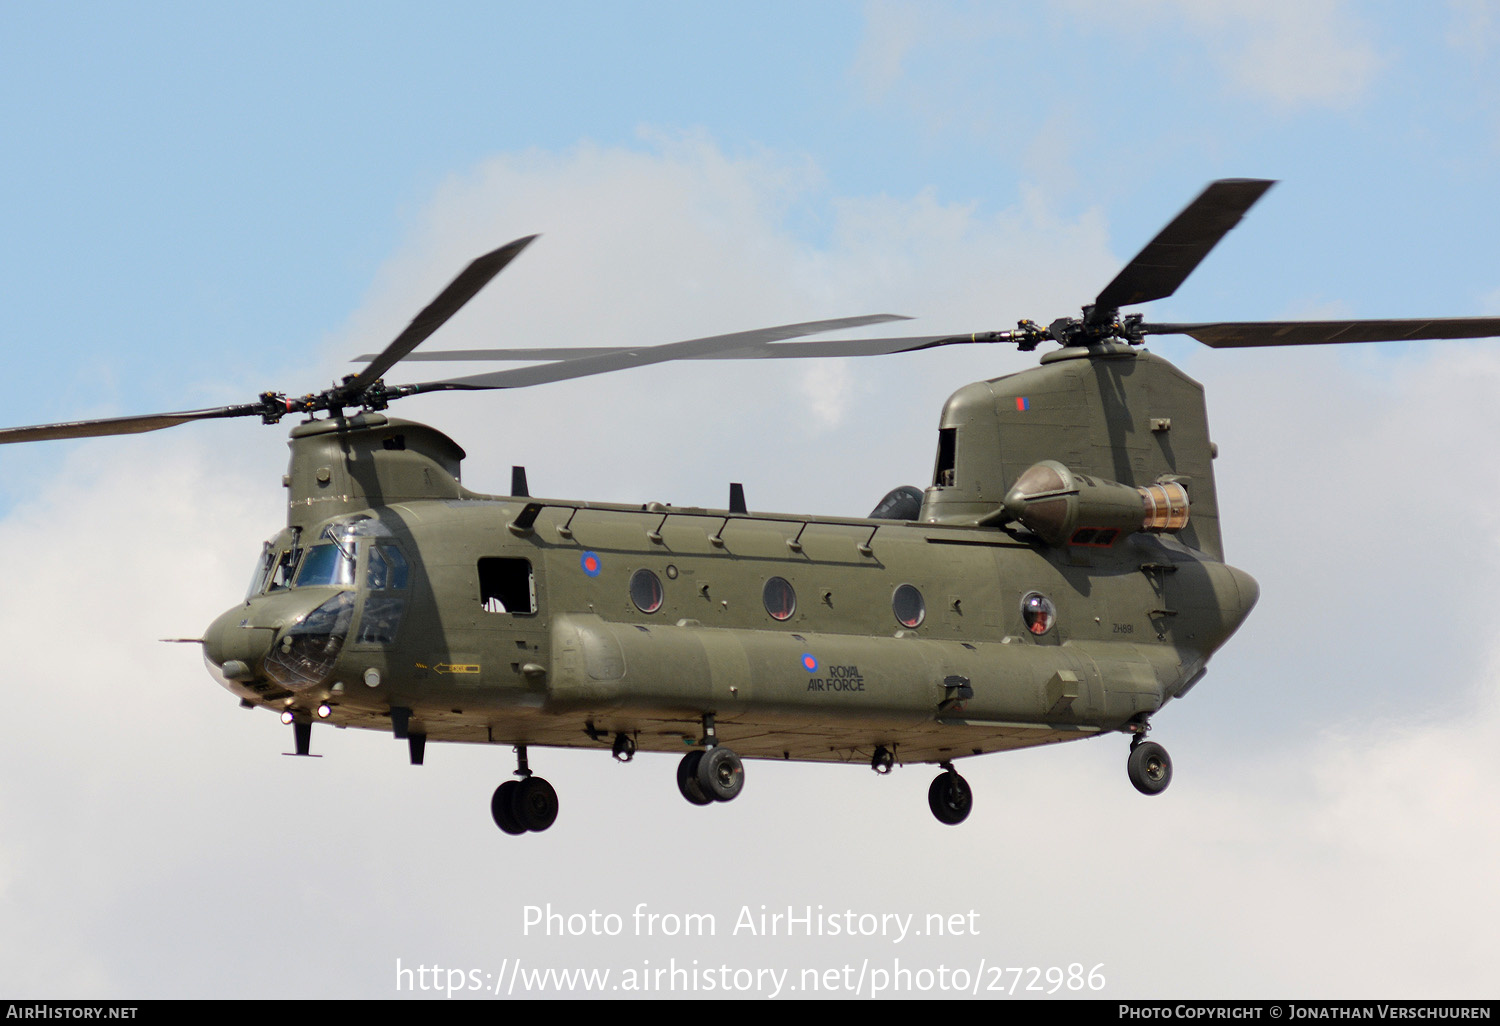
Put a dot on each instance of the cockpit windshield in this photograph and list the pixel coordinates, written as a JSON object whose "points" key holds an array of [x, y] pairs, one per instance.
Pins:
{"points": [[326, 563], [332, 558]]}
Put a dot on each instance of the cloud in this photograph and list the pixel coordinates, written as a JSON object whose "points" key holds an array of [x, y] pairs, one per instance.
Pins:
{"points": [[1292, 52], [1471, 28], [1288, 53]]}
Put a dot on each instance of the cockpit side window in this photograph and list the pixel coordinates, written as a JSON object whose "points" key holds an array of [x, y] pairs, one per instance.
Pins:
{"points": [[286, 565], [277, 564], [385, 577], [385, 568], [262, 571]]}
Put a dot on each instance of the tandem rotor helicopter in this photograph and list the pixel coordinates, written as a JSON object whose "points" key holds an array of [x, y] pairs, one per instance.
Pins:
{"points": [[1061, 577]]}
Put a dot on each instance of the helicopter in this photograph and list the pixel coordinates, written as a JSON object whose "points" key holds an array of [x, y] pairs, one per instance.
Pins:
{"points": [[1062, 577]]}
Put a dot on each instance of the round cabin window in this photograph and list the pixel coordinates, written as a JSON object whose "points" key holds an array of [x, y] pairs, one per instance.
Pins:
{"points": [[645, 591], [1038, 612], [909, 606], [780, 599]]}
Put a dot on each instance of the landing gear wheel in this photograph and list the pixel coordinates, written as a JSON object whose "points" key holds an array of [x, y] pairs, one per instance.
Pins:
{"points": [[721, 774], [534, 803], [687, 778], [501, 807], [1150, 767], [949, 798]]}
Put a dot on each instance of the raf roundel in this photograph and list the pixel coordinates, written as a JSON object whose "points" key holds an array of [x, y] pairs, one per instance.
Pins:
{"points": [[590, 563], [810, 663]]}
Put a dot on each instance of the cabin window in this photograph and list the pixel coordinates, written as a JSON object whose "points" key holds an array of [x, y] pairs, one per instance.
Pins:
{"points": [[780, 599], [1038, 612], [507, 586], [943, 477], [645, 591], [909, 606]]}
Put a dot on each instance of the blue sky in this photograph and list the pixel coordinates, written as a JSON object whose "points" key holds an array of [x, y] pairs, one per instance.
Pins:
{"points": [[201, 203]]}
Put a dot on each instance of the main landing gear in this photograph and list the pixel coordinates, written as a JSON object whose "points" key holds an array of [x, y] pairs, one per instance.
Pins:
{"points": [[529, 803], [1149, 766], [712, 773], [949, 796]]}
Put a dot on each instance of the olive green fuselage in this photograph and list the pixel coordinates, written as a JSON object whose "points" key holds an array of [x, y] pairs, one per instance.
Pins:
{"points": [[515, 620], [841, 675]]}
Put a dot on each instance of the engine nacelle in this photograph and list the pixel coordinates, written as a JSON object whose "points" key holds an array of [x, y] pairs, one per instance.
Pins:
{"points": [[1065, 508]]}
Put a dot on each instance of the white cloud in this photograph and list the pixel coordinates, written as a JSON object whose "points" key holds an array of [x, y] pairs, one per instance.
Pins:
{"points": [[891, 30], [1471, 27], [1292, 53]]}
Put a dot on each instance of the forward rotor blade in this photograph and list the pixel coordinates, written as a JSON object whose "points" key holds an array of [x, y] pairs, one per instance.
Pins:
{"points": [[603, 362], [462, 289], [1168, 259], [120, 425], [769, 351], [1246, 334]]}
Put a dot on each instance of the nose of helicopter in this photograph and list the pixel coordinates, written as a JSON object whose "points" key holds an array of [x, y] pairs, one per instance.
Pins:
{"points": [[291, 638], [234, 650]]}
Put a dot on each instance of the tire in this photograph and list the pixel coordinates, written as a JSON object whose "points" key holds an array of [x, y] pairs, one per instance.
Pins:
{"points": [[534, 804], [501, 806], [1150, 767], [687, 778], [721, 774], [949, 798]]}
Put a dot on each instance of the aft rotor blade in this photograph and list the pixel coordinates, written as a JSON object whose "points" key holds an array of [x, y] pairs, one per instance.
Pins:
{"points": [[120, 425], [1246, 334], [462, 289], [622, 359], [1168, 259]]}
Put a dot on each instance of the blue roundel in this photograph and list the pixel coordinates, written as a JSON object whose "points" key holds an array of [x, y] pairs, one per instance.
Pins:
{"points": [[810, 662], [590, 563]]}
